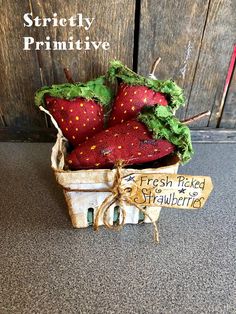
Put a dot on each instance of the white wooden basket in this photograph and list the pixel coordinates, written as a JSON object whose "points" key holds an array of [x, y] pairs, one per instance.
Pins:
{"points": [[85, 190]]}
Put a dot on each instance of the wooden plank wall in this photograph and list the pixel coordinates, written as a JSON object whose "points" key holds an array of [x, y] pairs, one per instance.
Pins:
{"points": [[228, 118], [194, 38]]}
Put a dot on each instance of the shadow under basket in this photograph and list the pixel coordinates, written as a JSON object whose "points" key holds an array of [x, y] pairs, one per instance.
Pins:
{"points": [[85, 190]]}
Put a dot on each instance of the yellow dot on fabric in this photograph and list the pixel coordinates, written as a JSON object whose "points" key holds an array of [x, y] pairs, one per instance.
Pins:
{"points": [[76, 129], [53, 110], [106, 131], [62, 120], [93, 147], [66, 129], [136, 127], [156, 150], [131, 100], [99, 114], [145, 100], [144, 132], [125, 93], [87, 119], [70, 121], [132, 144], [121, 105], [70, 161], [127, 133], [92, 106], [135, 92], [71, 110], [81, 153], [97, 164], [132, 108], [92, 112], [86, 138], [73, 137], [114, 118], [122, 121], [94, 128], [81, 105], [87, 159], [100, 141], [62, 108], [116, 135], [94, 119], [127, 124], [77, 118], [84, 124], [119, 147], [125, 111], [160, 100], [145, 91]]}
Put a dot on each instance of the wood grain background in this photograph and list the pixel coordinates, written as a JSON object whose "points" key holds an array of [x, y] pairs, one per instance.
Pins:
{"points": [[194, 38]]}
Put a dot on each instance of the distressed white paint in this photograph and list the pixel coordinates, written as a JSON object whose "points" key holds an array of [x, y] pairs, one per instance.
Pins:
{"points": [[187, 56]]}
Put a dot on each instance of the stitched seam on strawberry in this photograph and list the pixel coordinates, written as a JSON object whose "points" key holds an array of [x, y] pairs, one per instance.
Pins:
{"points": [[168, 87], [92, 90], [161, 121]]}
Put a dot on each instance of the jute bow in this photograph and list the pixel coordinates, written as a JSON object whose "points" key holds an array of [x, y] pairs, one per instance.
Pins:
{"points": [[119, 195]]}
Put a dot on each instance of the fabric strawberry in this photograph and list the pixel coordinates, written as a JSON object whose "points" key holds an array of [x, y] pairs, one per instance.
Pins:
{"points": [[129, 101], [77, 108], [135, 92], [78, 118], [155, 134]]}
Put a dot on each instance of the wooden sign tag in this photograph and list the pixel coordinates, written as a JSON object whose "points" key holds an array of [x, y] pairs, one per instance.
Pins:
{"points": [[167, 190]]}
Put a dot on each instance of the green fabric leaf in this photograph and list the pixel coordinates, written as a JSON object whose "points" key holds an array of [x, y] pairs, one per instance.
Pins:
{"points": [[95, 90], [118, 70], [161, 121]]}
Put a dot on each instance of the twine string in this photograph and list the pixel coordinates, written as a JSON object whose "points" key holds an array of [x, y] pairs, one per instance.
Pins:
{"points": [[119, 195]]}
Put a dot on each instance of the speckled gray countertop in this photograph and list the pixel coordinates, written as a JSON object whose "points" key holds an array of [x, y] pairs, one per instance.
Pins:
{"points": [[46, 266]]}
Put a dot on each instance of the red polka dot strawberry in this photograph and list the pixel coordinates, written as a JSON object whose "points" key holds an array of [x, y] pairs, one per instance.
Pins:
{"points": [[136, 91], [77, 108], [154, 134]]}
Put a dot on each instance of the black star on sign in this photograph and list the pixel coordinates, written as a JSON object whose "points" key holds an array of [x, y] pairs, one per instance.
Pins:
{"points": [[130, 178], [182, 191]]}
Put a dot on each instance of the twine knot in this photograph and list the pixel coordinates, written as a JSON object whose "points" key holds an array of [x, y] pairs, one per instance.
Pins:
{"points": [[120, 196]]}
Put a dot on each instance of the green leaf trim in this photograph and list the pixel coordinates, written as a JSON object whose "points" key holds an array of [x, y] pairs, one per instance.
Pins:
{"points": [[161, 121], [94, 89], [118, 70]]}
